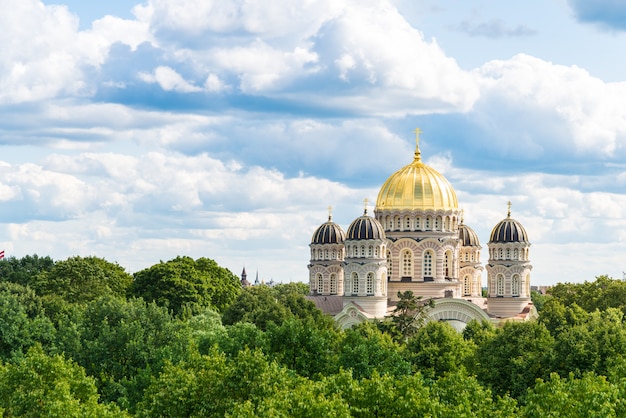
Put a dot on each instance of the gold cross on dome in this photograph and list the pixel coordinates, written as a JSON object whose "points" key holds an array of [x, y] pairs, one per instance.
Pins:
{"points": [[417, 132], [509, 205], [330, 212], [365, 202]]}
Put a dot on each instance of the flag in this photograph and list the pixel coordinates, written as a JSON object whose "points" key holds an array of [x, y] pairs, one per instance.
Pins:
{"points": [[1, 254]]}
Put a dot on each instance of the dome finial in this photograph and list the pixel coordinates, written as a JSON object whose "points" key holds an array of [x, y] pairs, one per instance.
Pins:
{"points": [[509, 212], [418, 154], [462, 216], [365, 202], [330, 213]]}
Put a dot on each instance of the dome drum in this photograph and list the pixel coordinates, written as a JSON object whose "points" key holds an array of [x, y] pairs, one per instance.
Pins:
{"points": [[439, 221]]}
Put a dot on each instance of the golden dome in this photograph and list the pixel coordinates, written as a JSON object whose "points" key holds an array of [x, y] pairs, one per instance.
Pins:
{"points": [[416, 186]]}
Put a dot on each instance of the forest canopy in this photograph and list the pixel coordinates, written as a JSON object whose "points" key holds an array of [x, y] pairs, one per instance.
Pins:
{"points": [[83, 337]]}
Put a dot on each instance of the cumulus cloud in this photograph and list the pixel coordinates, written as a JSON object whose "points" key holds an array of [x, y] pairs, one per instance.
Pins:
{"points": [[169, 80], [45, 55], [96, 200], [550, 109]]}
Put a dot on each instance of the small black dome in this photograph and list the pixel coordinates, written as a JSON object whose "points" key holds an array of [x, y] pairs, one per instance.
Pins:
{"points": [[508, 230], [328, 233], [468, 237], [365, 227]]}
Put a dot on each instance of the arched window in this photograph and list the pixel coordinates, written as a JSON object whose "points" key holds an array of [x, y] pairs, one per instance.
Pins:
{"points": [[515, 285], [515, 254], [467, 285], [389, 265], [325, 254], [319, 254], [362, 250], [417, 224], [427, 222], [407, 224], [508, 253], [466, 255], [376, 251], [447, 223], [447, 264], [500, 285], [407, 263], [333, 284], [320, 283], [437, 223], [355, 283], [427, 268], [370, 283], [500, 254], [370, 251]]}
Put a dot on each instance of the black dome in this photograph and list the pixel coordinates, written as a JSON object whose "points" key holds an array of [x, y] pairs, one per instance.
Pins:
{"points": [[365, 227], [328, 233], [508, 230], [468, 237]]}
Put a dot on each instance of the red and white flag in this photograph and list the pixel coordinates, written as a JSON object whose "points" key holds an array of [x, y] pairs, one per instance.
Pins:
{"points": [[1, 254]]}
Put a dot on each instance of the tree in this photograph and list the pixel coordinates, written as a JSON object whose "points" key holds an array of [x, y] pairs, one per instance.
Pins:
{"points": [[302, 347], [24, 270], [238, 337], [365, 350], [187, 284], [22, 321], [215, 385], [293, 287], [388, 396], [259, 305], [593, 344], [122, 343], [437, 348], [517, 355], [588, 396], [461, 395], [601, 294], [83, 279], [41, 385], [409, 314], [538, 299]]}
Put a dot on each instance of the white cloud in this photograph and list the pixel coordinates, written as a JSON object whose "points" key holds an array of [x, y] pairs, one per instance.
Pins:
{"points": [[289, 21], [38, 56], [553, 108], [169, 80], [261, 67]]}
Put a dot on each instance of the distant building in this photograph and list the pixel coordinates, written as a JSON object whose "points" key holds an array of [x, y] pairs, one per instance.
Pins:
{"points": [[244, 279], [257, 282], [417, 241]]}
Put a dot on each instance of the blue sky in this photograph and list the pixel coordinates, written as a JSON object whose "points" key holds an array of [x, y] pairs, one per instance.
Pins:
{"points": [[142, 131]]}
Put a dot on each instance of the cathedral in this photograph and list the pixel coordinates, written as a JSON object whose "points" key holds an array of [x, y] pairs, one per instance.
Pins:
{"points": [[417, 240]]}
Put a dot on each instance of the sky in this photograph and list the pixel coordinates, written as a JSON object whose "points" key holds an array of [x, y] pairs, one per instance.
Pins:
{"points": [[140, 131]]}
